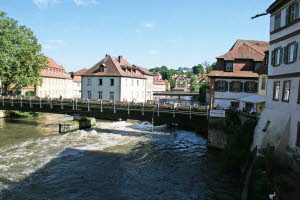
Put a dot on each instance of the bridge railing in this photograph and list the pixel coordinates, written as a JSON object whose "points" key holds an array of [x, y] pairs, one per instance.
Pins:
{"points": [[100, 105]]}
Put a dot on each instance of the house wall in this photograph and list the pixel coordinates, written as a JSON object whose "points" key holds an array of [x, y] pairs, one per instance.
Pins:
{"points": [[262, 92], [159, 87], [133, 89], [149, 88], [77, 89], [224, 99], [55, 87]]}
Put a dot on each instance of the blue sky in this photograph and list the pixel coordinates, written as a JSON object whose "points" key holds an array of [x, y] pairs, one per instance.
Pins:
{"points": [[150, 33]]}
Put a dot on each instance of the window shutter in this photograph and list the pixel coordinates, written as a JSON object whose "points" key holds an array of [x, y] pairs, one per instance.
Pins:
{"points": [[287, 16], [296, 51], [273, 58], [230, 86], [285, 55], [297, 9], [226, 86], [255, 87], [216, 86], [241, 86]]}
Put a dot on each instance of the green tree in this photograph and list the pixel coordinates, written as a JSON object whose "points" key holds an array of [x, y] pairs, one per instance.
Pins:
{"points": [[208, 67], [194, 84], [21, 59], [202, 93], [172, 82], [198, 69]]}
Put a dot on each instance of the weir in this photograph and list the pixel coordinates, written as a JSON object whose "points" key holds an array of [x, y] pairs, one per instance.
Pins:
{"points": [[187, 117]]}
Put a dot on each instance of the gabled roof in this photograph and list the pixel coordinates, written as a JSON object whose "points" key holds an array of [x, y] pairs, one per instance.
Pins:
{"points": [[114, 66], [240, 74], [54, 65], [145, 71], [80, 72], [55, 71], [246, 49], [275, 5]]}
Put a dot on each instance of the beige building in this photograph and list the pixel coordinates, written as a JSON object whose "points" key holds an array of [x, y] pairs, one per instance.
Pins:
{"points": [[159, 85]]}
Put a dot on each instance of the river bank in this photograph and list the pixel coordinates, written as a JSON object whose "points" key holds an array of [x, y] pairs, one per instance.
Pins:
{"points": [[114, 160]]}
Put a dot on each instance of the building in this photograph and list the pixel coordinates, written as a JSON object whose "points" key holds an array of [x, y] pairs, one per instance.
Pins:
{"points": [[114, 78], [149, 82], [159, 85], [77, 82], [279, 125], [56, 82], [234, 77], [182, 83]]}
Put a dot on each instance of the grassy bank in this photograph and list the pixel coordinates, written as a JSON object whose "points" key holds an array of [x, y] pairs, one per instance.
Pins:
{"points": [[19, 114]]}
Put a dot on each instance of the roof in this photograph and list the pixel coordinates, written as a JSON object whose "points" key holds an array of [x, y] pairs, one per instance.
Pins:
{"points": [[145, 71], [240, 74], [157, 74], [114, 66], [80, 72], [55, 71], [247, 49], [275, 5]]}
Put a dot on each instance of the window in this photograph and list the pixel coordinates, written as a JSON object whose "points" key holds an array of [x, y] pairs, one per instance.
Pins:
{"points": [[263, 83], [112, 82], [277, 56], [299, 93], [266, 126], [257, 65], [111, 96], [234, 105], [277, 24], [235, 86], [291, 13], [276, 89], [251, 87], [100, 95], [228, 66], [89, 94], [221, 86], [101, 69], [286, 91], [100, 81], [290, 52], [89, 81]]}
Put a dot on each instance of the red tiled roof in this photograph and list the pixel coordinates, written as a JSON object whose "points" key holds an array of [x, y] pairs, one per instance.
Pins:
{"points": [[144, 71], [113, 67], [80, 72], [55, 71], [240, 74], [247, 49], [159, 82]]}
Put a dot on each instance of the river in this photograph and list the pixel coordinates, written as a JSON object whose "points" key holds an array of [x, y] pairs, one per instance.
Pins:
{"points": [[114, 160]]}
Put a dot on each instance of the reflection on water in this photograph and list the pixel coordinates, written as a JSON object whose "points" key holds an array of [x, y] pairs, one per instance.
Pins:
{"points": [[115, 160]]}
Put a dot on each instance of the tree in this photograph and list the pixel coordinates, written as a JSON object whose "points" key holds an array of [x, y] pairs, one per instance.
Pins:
{"points": [[21, 59], [202, 93], [172, 82], [194, 84], [198, 69], [208, 67]]}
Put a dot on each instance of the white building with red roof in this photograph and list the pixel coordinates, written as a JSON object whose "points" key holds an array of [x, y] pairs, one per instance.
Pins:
{"points": [[114, 78], [159, 85], [56, 82]]}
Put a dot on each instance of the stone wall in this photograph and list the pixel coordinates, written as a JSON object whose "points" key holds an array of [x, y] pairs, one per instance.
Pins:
{"points": [[217, 139]]}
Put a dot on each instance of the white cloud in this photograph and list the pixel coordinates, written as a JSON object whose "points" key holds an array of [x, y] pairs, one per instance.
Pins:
{"points": [[52, 44], [148, 25], [153, 52], [85, 2], [45, 3]]}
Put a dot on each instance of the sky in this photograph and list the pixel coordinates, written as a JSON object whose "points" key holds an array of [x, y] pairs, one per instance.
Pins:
{"points": [[174, 33]]}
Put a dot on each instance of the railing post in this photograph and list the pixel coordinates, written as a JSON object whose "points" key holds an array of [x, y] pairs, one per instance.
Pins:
{"points": [[2, 101], [21, 103], [174, 111], [41, 103], [30, 103], [101, 105], [61, 104], [76, 104], [190, 112], [51, 106], [73, 105], [143, 109], [88, 101], [128, 109], [114, 107], [158, 110], [12, 101]]}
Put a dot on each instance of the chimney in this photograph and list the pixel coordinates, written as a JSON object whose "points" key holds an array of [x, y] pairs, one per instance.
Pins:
{"points": [[120, 58]]}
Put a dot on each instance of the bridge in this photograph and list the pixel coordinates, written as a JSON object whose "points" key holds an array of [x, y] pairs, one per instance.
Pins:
{"points": [[187, 117], [175, 93]]}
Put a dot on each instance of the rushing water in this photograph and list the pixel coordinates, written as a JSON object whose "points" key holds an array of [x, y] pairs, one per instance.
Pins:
{"points": [[115, 160]]}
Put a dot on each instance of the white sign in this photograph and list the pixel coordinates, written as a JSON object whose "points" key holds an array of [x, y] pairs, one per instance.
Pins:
{"points": [[217, 113]]}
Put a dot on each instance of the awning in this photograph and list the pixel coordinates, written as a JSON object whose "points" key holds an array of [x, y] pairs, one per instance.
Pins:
{"points": [[254, 99]]}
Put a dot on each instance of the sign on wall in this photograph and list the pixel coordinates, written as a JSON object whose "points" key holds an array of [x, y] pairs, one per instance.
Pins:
{"points": [[217, 113]]}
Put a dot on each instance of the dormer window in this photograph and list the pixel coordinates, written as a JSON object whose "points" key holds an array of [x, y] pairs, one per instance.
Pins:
{"points": [[101, 69], [228, 66]]}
